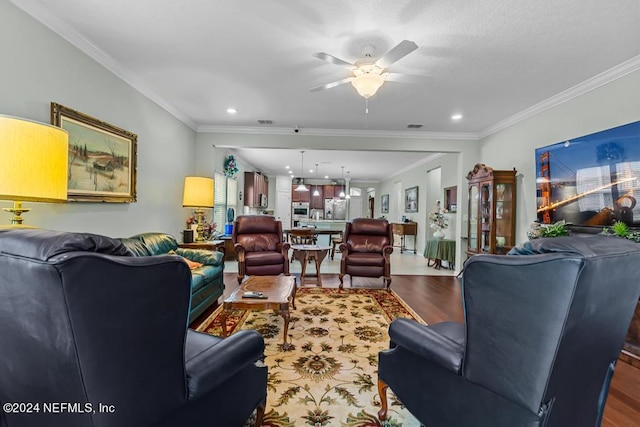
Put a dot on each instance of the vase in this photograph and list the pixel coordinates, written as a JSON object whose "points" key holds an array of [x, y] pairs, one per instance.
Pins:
{"points": [[438, 234]]}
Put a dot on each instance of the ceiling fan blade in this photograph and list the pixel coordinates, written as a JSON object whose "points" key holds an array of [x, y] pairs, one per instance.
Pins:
{"points": [[401, 50], [332, 59], [405, 78], [332, 84]]}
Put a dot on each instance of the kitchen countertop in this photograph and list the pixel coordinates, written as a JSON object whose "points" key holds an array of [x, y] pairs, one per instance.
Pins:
{"points": [[330, 224], [322, 220]]}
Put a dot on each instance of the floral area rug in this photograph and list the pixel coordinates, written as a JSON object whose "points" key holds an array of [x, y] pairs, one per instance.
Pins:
{"points": [[329, 377]]}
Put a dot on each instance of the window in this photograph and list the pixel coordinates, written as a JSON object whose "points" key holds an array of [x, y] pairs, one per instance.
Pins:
{"points": [[225, 197]]}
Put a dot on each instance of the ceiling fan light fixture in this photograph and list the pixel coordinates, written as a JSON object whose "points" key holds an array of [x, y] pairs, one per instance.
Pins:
{"points": [[367, 84]]}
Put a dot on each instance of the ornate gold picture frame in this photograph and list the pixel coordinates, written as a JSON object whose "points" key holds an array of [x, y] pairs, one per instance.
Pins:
{"points": [[102, 158]]}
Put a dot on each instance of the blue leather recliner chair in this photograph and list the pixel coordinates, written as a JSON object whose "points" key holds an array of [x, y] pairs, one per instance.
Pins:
{"points": [[542, 334]]}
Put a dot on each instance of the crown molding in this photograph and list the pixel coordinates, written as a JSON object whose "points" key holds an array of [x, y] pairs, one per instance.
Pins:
{"points": [[594, 82], [415, 165], [61, 28], [466, 136]]}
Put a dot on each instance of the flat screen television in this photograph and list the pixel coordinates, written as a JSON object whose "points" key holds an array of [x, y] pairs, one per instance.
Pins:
{"points": [[593, 180]]}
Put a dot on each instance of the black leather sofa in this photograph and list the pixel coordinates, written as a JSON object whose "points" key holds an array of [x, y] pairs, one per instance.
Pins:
{"points": [[82, 322]]}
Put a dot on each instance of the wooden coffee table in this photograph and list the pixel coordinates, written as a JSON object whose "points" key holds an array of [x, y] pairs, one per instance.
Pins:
{"points": [[279, 290]]}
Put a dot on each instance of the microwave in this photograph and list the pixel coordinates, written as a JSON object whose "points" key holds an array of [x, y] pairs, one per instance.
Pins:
{"points": [[262, 200], [300, 210]]}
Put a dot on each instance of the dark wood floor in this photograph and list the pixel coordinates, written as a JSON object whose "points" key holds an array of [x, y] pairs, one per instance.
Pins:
{"points": [[438, 298]]}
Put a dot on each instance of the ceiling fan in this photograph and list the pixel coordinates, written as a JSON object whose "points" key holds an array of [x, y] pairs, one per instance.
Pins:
{"points": [[369, 74]]}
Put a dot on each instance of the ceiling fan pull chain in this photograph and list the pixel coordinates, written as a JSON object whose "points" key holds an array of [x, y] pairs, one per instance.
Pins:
{"points": [[366, 113]]}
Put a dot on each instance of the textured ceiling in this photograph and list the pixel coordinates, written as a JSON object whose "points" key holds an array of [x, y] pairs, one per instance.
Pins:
{"points": [[487, 60]]}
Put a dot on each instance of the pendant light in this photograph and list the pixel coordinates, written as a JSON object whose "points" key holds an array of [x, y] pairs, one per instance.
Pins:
{"points": [[301, 186], [316, 193], [341, 195], [348, 196]]}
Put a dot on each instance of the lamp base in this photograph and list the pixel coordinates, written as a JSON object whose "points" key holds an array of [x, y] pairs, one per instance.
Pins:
{"points": [[200, 227], [17, 211]]}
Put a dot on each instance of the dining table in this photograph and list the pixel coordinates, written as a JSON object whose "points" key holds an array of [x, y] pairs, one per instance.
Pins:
{"points": [[317, 231]]}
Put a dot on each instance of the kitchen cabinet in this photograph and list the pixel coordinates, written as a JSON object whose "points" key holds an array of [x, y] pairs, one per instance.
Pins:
{"points": [[492, 210], [299, 196], [256, 189], [317, 202], [331, 191]]}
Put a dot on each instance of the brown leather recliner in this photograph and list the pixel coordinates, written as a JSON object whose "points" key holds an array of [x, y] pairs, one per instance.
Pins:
{"points": [[366, 249], [257, 240]]}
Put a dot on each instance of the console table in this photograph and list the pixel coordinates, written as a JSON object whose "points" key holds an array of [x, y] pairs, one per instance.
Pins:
{"points": [[404, 229], [440, 250]]}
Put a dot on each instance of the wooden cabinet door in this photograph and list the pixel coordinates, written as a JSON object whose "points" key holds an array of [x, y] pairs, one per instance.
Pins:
{"points": [[250, 189], [317, 202], [299, 196], [328, 191]]}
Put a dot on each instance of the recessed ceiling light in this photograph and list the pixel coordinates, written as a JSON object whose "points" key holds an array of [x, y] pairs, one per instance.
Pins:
{"points": [[311, 170], [456, 117], [286, 167], [291, 172], [326, 177], [231, 110]]}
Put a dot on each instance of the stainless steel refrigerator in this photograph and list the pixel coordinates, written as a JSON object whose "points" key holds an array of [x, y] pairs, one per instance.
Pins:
{"points": [[335, 209]]}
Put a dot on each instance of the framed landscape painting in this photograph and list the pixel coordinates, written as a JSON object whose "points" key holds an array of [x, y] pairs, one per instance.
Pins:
{"points": [[411, 199], [384, 203], [102, 158]]}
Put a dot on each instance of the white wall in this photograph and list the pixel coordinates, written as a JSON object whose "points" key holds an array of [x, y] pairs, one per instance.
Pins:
{"points": [[610, 105], [39, 67], [453, 172]]}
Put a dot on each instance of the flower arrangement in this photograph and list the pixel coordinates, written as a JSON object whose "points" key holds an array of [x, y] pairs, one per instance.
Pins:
{"points": [[230, 167], [208, 228], [437, 218]]}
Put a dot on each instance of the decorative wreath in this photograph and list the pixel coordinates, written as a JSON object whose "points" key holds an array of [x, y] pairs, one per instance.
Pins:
{"points": [[230, 168]]}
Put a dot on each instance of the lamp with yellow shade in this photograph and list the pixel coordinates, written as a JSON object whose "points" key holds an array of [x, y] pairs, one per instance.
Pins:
{"points": [[33, 164], [198, 193]]}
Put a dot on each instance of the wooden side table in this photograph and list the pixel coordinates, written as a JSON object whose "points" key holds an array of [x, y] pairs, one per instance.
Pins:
{"points": [[439, 250], [230, 252], [404, 229], [213, 245], [304, 253]]}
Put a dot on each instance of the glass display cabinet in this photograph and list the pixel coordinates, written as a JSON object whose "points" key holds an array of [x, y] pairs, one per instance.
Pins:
{"points": [[492, 210]]}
